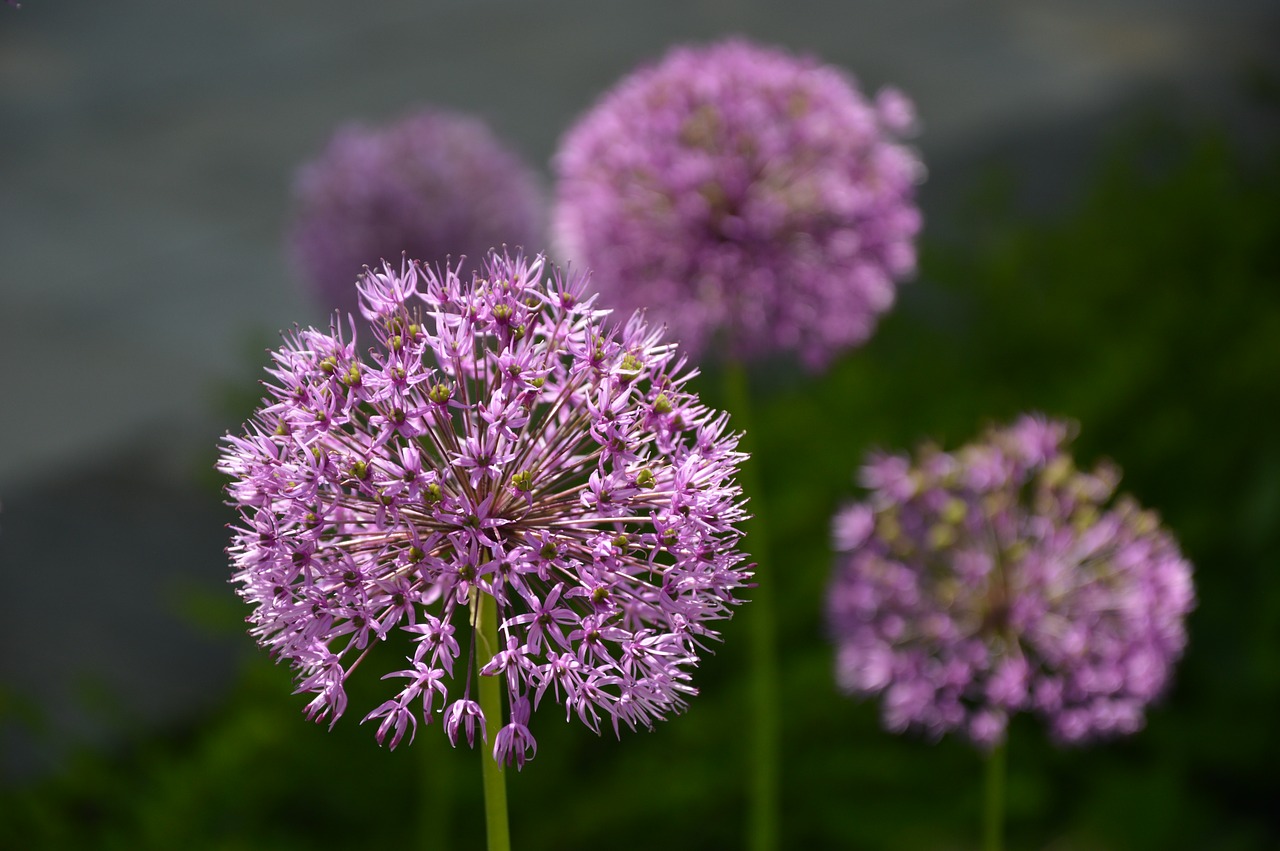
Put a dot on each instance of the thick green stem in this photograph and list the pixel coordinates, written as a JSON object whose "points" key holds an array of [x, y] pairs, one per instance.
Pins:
{"points": [[993, 809], [485, 612], [763, 813], [436, 759]]}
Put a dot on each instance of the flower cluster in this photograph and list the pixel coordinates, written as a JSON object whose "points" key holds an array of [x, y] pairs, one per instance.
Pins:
{"points": [[502, 440], [740, 191], [432, 185], [999, 579]]}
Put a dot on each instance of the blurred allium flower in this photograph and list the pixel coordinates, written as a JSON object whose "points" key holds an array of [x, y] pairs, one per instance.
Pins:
{"points": [[504, 438], [432, 185], [998, 579], [740, 191]]}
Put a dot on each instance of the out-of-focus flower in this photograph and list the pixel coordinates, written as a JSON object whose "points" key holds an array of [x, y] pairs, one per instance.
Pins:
{"points": [[503, 438], [1000, 579], [745, 197], [433, 185]]}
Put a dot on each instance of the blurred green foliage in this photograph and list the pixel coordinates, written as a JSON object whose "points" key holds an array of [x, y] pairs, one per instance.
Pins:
{"points": [[1151, 315]]}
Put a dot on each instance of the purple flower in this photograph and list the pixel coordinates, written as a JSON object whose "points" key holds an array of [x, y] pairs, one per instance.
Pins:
{"points": [[751, 200], [1000, 579], [504, 438], [433, 185]]}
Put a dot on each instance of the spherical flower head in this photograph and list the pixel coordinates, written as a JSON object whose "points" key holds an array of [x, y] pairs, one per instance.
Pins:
{"points": [[752, 200], [502, 438], [1001, 579], [432, 185]]}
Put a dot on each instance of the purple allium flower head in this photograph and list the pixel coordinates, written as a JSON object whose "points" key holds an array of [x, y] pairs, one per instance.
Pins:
{"points": [[750, 199], [504, 438], [999, 579], [431, 185]]}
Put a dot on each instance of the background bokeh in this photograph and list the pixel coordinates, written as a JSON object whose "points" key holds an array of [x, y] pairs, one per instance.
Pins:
{"points": [[1102, 242]]}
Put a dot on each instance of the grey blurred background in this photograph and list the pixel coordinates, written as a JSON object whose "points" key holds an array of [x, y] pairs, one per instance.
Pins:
{"points": [[146, 154]]}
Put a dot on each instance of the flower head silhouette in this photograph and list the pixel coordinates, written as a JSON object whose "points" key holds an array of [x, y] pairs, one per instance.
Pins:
{"points": [[432, 185]]}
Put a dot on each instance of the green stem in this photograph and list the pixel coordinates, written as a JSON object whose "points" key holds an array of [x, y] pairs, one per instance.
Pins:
{"points": [[993, 811], [437, 790], [763, 814], [485, 612]]}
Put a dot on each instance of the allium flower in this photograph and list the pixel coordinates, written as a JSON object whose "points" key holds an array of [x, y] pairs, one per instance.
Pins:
{"points": [[432, 185], [1000, 579], [503, 438], [735, 190]]}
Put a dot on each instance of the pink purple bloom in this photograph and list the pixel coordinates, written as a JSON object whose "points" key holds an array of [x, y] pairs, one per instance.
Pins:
{"points": [[433, 185], [751, 200], [999, 578], [502, 437]]}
